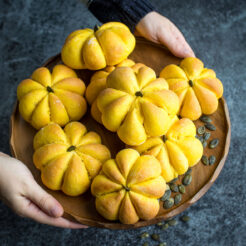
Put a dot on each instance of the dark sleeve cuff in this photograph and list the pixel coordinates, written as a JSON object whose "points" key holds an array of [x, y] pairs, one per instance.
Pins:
{"points": [[129, 12]]}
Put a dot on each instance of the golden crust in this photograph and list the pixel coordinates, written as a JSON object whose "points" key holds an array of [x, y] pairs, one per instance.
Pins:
{"points": [[197, 87], [98, 83], [136, 104], [51, 97], [68, 159], [128, 187], [109, 45]]}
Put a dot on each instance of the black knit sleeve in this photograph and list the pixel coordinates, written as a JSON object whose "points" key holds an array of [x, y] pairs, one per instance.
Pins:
{"points": [[130, 12]]}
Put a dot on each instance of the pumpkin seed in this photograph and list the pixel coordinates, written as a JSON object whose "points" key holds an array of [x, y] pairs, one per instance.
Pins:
{"points": [[212, 159], [145, 244], [162, 244], [155, 237], [177, 199], [182, 189], [174, 188], [205, 119], [168, 203], [201, 130], [204, 144], [167, 187], [165, 226], [185, 218], [210, 126], [206, 136], [189, 171], [173, 180], [205, 160], [187, 179], [213, 143], [166, 195], [201, 139], [144, 235], [172, 222]]}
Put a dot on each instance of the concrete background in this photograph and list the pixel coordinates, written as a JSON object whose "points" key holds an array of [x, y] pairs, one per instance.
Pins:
{"points": [[32, 31]]}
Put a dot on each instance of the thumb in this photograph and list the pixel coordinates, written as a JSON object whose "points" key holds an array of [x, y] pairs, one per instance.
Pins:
{"points": [[43, 200]]}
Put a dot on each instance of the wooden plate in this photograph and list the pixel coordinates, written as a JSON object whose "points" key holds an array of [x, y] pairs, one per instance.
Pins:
{"points": [[82, 208]]}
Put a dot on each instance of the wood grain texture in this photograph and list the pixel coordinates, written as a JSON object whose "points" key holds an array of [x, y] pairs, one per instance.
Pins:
{"points": [[82, 208]]}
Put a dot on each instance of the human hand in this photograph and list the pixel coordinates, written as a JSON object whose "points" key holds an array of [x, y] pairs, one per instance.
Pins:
{"points": [[160, 30], [19, 190]]}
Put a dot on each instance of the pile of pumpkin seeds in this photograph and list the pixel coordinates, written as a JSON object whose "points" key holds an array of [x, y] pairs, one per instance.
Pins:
{"points": [[204, 136], [177, 189], [155, 236]]}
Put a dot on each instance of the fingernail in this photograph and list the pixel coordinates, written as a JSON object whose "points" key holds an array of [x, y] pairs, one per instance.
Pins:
{"points": [[56, 211], [78, 226], [188, 53]]}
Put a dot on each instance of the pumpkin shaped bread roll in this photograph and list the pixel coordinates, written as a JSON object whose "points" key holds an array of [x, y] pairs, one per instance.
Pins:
{"points": [[136, 104], [68, 159], [55, 96], [109, 45], [128, 187], [197, 87]]}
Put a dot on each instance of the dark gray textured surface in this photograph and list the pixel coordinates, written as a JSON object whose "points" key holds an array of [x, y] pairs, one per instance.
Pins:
{"points": [[32, 31]]}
